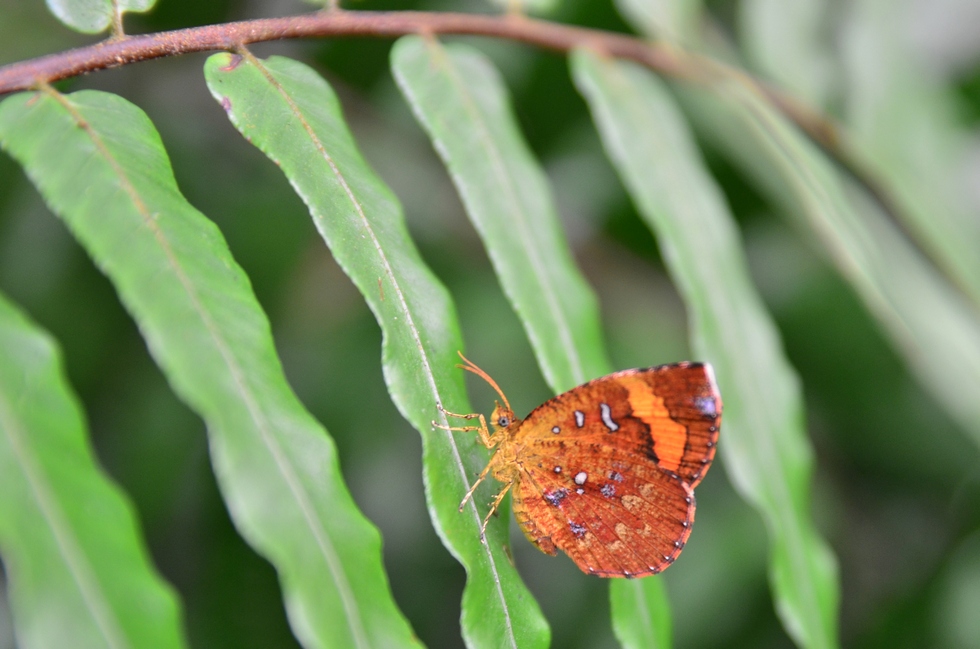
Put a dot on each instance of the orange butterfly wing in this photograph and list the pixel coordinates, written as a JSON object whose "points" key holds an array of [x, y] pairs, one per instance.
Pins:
{"points": [[607, 469]]}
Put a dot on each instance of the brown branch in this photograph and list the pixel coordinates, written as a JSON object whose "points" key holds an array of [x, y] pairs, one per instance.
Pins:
{"points": [[227, 36], [667, 61]]}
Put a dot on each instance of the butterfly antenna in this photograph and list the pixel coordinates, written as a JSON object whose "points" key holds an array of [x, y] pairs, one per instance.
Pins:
{"points": [[471, 367]]}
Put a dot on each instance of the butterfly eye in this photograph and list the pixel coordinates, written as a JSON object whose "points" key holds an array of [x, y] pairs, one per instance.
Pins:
{"points": [[503, 421]]}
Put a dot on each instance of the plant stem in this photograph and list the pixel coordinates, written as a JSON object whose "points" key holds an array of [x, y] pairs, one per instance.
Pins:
{"points": [[664, 59]]}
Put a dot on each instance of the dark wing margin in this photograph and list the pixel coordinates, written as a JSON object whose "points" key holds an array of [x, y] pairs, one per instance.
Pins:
{"points": [[691, 399]]}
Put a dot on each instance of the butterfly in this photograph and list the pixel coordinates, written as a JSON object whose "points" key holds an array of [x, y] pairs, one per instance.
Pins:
{"points": [[606, 471]]}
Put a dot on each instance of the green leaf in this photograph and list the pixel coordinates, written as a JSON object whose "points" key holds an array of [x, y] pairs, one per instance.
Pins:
{"points": [[670, 20], [763, 440], [460, 100], [458, 97], [100, 165], [958, 596], [293, 116], [789, 42], [94, 16], [537, 7], [904, 125], [929, 322], [640, 613], [78, 572]]}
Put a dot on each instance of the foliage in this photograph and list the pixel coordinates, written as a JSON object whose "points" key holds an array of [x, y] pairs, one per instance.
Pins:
{"points": [[221, 302]]}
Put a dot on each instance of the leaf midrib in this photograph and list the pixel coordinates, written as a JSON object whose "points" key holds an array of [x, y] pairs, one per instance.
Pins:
{"points": [[520, 217], [79, 567], [762, 449], [283, 464], [406, 312]]}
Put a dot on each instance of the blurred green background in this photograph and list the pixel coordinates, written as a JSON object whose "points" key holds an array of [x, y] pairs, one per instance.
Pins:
{"points": [[897, 484]]}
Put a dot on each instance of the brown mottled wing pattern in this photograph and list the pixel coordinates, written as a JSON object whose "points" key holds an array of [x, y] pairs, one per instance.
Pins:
{"points": [[607, 469], [614, 514]]}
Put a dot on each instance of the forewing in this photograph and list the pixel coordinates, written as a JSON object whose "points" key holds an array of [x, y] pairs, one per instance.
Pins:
{"points": [[614, 513], [670, 414]]}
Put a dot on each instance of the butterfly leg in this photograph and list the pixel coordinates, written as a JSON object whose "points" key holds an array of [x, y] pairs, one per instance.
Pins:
{"points": [[479, 479], [482, 430], [494, 506]]}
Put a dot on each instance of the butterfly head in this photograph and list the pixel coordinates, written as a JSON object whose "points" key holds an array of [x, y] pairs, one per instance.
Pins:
{"points": [[503, 417]]}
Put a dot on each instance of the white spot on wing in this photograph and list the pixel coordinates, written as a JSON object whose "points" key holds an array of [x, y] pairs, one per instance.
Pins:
{"points": [[707, 406], [579, 418], [607, 417], [581, 477]]}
